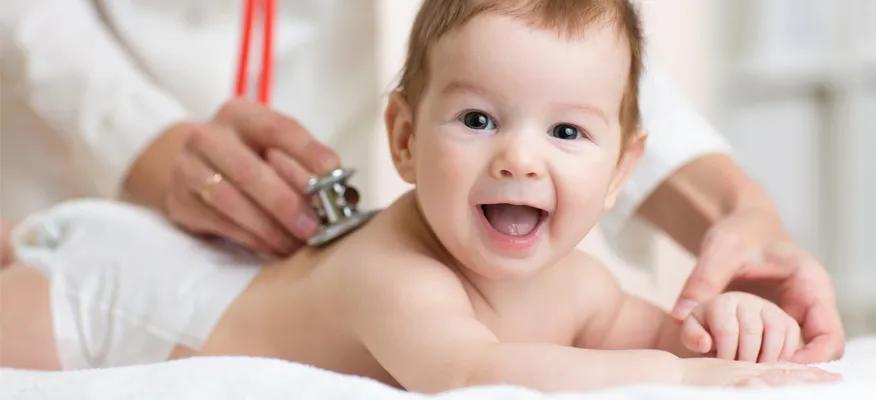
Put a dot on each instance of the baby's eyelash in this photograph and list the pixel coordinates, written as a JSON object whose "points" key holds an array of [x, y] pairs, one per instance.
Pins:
{"points": [[477, 120], [563, 129]]}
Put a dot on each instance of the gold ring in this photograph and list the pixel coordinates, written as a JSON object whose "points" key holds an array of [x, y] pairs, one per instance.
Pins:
{"points": [[209, 183]]}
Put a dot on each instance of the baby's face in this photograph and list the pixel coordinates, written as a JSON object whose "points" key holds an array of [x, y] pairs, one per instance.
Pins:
{"points": [[516, 141]]}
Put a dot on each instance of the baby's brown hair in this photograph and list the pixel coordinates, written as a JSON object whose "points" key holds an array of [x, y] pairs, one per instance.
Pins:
{"points": [[569, 17]]}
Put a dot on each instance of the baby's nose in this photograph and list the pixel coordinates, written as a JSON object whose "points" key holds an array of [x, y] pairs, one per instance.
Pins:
{"points": [[517, 161], [506, 173]]}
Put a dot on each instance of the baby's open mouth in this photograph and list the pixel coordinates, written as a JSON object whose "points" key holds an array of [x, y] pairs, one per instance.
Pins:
{"points": [[513, 219]]}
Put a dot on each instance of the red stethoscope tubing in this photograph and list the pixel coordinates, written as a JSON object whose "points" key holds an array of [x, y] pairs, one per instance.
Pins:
{"points": [[268, 10]]}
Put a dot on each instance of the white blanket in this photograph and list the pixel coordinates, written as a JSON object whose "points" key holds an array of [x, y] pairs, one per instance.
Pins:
{"points": [[258, 378]]}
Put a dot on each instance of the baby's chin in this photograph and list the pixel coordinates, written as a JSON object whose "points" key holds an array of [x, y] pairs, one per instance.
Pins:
{"points": [[496, 267], [479, 256]]}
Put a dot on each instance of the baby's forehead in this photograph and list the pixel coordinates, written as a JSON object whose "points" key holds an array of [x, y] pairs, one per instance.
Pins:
{"points": [[506, 29], [506, 41], [508, 55]]}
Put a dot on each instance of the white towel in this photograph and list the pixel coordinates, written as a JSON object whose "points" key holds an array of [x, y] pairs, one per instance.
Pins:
{"points": [[259, 378]]}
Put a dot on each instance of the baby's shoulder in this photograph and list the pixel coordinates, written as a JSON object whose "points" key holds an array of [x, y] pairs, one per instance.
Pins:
{"points": [[398, 284], [587, 279], [393, 244], [379, 262], [585, 270]]}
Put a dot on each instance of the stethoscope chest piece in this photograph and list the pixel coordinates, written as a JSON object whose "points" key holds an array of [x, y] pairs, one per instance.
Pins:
{"points": [[335, 203]]}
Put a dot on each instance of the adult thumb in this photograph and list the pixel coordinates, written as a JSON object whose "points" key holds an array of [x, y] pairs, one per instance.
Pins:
{"points": [[710, 277]]}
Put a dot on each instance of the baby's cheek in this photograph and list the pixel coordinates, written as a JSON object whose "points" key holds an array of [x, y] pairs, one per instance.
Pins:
{"points": [[579, 206], [447, 160]]}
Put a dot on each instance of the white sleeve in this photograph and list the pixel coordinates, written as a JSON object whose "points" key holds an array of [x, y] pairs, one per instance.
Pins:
{"points": [[677, 134], [80, 80]]}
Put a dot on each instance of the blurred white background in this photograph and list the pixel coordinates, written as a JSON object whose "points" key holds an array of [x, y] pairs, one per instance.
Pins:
{"points": [[791, 84]]}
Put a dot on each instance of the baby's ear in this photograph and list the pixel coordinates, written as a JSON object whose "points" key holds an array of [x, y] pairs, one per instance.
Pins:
{"points": [[399, 121], [632, 152]]}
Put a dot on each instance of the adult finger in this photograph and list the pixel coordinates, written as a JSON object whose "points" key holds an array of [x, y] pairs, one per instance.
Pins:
{"points": [[228, 201], [264, 128], [750, 333], [826, 347], [290, 170], [194, 216], [823, 332], [713, 271], [258, 181]]}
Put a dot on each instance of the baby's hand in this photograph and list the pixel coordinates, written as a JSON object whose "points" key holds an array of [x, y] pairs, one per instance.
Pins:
{"points": [[713, 372], [741, 326]]}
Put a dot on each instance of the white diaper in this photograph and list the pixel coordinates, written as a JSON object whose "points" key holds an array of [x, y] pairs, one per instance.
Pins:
{"points": [[126, 286]]}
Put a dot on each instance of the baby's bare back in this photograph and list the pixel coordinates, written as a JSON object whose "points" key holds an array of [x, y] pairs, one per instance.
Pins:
{"points": [[293, 310], [298, 309]]}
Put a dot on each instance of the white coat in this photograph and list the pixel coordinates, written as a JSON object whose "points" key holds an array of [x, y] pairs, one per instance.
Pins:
{"points": [[87, 84]]}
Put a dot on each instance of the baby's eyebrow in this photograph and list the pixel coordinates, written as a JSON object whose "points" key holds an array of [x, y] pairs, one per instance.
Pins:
{"points": [[465, 86], [462, 86], [586, 108]]}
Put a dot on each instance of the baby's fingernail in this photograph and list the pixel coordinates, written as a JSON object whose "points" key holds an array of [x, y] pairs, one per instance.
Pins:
{"points": [[683, 308]]}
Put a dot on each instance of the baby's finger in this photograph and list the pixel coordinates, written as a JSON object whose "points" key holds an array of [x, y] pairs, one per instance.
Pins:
{"points": [[820, 375], [773, 336], [694, 337], [792, 340], [808, 375], [779, 377], [750, 333], [724, 326]]}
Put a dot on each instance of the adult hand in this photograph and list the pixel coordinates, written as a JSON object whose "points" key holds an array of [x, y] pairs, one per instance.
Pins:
{"points": [[239, 176], [750, 251]]}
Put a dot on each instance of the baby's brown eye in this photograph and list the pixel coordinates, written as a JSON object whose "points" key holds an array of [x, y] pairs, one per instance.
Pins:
{"points": [[477, 120], [566, 132]]}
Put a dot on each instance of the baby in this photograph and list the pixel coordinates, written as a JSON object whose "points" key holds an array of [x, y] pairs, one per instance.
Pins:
{"points": [[517, 123]]}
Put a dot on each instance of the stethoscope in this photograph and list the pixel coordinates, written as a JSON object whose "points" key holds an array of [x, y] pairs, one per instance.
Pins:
{"points": [[333, 200]]}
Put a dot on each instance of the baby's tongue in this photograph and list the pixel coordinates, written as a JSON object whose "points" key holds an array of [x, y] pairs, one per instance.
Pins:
{"points": [[510, 219]]}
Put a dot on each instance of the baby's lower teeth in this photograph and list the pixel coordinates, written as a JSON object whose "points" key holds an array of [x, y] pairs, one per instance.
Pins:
{"points": [[510, 219], [517, 231]]}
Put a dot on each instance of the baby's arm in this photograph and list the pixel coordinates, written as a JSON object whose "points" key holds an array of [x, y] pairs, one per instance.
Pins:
{"points": [[613, 319], [414, 316], [416, 319], [732, 325]]}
